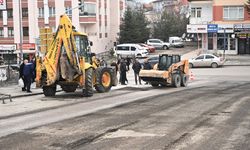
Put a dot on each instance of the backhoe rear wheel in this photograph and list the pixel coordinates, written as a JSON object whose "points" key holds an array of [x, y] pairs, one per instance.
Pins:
{"points": [[88, 91], [154, 84], [69, 88], [184, 79], [103, 79], [49, 90], [176, 80]]}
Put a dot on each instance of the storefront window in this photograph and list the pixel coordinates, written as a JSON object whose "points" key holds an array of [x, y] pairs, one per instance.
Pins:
{"points": [[232, 44], [220, 41], [210, 41]]}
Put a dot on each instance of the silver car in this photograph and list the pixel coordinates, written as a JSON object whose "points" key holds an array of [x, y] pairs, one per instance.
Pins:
{"points": [[206, 60]]}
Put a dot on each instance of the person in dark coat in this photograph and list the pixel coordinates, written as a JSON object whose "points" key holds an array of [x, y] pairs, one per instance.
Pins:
{"points": [[123, 70], [136, 67], [128, 61], [146, 65], [21, 75], [28, 74]]}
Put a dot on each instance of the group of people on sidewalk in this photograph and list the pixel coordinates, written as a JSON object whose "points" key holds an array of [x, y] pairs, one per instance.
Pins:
{"points": [[27, 74], [123, 66]]}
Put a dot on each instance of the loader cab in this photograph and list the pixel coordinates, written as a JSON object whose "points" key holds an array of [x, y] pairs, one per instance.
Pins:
{"points": [[165, 61], [83, 45]]}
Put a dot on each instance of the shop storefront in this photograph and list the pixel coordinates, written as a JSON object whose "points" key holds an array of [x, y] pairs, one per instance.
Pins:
{"points": [[242, 32], [216, 37], [7, 54]]}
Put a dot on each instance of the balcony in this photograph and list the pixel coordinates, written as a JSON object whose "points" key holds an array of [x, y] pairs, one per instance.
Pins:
{"points": [[88, 14], [84, 19]]}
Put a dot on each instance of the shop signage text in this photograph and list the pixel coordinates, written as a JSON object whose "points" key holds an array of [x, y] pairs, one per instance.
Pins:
{"points": [[212, 28]]}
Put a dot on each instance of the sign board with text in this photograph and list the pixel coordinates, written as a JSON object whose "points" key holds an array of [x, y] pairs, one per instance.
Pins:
{"points": [[212, 28], [2, 4]]}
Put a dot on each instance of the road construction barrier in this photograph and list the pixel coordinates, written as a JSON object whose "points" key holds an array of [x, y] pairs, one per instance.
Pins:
{"points": [[5, 96]]}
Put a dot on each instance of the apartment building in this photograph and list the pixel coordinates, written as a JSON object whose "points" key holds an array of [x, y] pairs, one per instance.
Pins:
{"points": [[222, 25], [100, 19]]}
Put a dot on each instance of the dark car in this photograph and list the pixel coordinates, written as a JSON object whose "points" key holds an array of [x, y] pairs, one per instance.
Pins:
{"points": [[152, 60]]}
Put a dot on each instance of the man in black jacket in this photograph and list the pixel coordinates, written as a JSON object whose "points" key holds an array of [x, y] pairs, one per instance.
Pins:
{"points": [[137, 68], [21, 76]]}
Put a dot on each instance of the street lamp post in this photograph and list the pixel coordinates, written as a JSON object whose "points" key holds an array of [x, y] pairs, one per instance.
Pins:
{"points": [[224, 52], [21, 31]]}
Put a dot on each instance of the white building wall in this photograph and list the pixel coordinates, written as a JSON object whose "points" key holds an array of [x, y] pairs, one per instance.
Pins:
{"points": [[16, 23], [206, 15], [33, 21]]}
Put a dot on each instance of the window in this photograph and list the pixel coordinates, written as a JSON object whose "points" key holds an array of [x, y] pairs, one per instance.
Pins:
{"points": [[41, 12], [220, 41], [196, 12], [89, 10], [154, 41], [122, 48], [10, 13], [209, 57], [1, 14], [233, 13], [1, 32], [68, 11], [200, 57], [10, 31], [25, 12], [52, 11], [133, 48], [25, 31]]}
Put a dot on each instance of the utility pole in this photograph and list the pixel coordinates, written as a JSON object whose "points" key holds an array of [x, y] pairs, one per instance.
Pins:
{"points": [[224, 53], [21, 31]]}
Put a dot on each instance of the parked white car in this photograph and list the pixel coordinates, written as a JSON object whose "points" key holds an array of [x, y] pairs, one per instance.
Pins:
{"points": [[157, 43], [206, 60], [131, 50], [176, 41]]}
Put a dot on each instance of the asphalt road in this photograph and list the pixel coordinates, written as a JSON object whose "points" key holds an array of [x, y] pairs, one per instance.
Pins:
{"points": [[211, 113]]}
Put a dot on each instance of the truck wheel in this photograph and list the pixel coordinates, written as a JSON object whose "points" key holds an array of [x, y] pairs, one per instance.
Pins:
{"points": [[88, 91], [176, 80], [103, 79], [184, 80], [49, 90], [69, 88]]}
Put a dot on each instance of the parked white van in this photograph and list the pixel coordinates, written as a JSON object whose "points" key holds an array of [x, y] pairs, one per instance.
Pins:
{"points": [[176, 41], [131, 50]]}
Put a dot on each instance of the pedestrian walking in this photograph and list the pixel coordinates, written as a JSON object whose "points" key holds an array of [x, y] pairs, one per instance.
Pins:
{"points": [[28, 74], [137, 68], [128, 61], [123, 72], [21, 75]]}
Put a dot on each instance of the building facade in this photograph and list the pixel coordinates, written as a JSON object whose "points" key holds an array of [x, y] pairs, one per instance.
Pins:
{"points": [[100, 19], [221, 25]]}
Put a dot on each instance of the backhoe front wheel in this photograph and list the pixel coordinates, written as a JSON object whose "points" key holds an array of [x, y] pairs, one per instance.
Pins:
{"points": [[88, 91], [49, 90], [103, 79], [184, 80], [176, 80]]}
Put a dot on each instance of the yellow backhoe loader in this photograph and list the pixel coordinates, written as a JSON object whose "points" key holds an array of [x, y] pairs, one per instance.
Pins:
{"points": [[170, 70], [69, 63]]}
